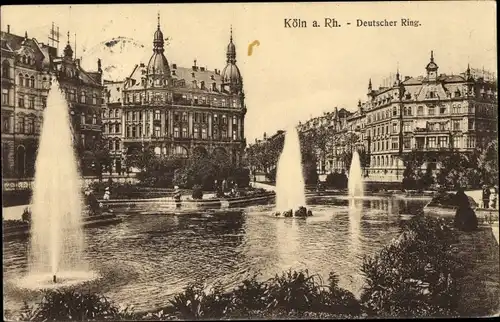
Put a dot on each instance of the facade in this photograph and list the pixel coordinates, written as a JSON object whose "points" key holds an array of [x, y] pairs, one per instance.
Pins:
{"points": [[181, 110], [435, 112], [112, 124], [335, 126], [27, 66]]}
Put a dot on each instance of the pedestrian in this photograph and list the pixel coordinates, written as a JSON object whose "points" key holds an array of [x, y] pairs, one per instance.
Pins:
{"points": [[465, 217], [493, 197], [106, 194], [177, 196], [486, 196]]}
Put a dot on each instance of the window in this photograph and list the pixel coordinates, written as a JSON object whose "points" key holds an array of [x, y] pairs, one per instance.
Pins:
{"points": [[157, 131], [224, 134], [407, 143], [184, 117], [234, 135], [83, 97], [117, 145], [5, 69], [31, 102], [431, 110], [457, 93], [94, 119], [456, 142], [181, 151], [235, 120], [442, 110], [394, 111], [117, 128], [20, 125], [21, 100], [471, 124], [420, 111], [223, 103], [471, 142], [134, 116], [407, 111], [94, 99], [382, 130], [110, 145], [5, 96], [443, 141], [5, 124], [216, 119], [21, 80], [407, 127], [395, 143], [184, 132], [456, 125], [32, 81], [157, 115], [176, 117], [196, 132], [82, 118], [176, 132], [431, 142], [203, 133], [224, 119], [442, 126], [456, 109], [134, 132], [216, 134]]}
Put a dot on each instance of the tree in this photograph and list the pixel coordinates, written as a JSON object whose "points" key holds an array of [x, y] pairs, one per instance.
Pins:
{"points": [[487, 163]]}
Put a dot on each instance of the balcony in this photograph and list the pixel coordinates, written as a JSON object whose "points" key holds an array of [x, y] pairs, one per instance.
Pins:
{"points": [[90, 127]]}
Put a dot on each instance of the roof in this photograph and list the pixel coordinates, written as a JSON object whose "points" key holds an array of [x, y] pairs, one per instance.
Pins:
{"points": [[198, 74], [114, 91]]}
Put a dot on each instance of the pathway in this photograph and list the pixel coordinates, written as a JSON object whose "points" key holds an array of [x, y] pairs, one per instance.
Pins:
{"points": [[480, 284]]}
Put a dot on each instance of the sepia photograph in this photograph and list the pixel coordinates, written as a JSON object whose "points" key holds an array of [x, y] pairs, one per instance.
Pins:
{"points": [[237, 161]]}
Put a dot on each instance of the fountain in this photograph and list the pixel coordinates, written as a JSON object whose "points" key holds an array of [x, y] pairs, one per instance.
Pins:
{"points": [[355, 181], [57, 240], [290, 190]]}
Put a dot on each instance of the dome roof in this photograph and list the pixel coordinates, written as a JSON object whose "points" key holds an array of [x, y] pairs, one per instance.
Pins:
{"points": [[158, 65], [158, 38], [231, 49], [432, 65], [231, 74]]}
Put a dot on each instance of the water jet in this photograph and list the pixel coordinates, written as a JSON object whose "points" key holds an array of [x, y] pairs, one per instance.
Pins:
{"points": [[355, 180], [290, 187]]}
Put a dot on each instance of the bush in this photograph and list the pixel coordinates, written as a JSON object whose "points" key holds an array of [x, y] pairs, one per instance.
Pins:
{"points": [[196, 303], [416, 275], [336, 180], [197, 192], [68, 305]]}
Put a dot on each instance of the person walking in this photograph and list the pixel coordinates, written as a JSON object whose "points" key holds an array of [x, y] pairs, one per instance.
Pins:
{"points": [[465, 217], [177, 196], [493, 197], [486, 196]]}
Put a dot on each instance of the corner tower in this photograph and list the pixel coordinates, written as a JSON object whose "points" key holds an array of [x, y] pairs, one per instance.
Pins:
{"points": [[231, 76], [158, 71]]}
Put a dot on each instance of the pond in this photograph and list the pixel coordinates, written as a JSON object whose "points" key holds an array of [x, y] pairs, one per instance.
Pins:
{"points": [[155, 253]]}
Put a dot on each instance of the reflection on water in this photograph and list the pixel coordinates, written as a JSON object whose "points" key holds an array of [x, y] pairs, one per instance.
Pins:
{"points": [[149, 257]]}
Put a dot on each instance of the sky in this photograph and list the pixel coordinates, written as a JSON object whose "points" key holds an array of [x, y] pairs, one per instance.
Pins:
{"points": [[295, 73]]}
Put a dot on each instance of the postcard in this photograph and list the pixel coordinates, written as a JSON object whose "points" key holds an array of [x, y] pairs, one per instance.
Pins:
{"points": [[250, 161]]}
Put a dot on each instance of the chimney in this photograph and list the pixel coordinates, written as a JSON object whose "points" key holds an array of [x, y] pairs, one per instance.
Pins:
{"points": [[212, 77], [173, 73], [174, 66], [202, 69], [8, 29], [192, 74]]}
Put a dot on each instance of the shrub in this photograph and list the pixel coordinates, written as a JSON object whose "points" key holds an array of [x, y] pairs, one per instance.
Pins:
{"points": [[197, 192], [250, 295], [68, 305], [294, 291], [336, 180], [416, 274], [195, 303]]}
